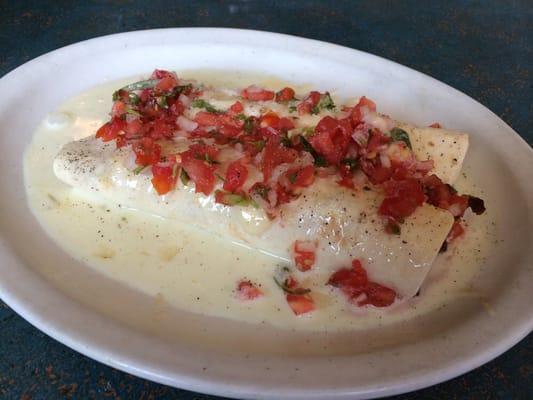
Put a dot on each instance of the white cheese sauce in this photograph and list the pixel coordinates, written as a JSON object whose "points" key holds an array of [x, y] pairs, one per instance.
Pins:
{"points": [[196, 271]]}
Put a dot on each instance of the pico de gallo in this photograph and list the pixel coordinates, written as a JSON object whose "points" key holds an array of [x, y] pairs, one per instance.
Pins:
{"points": [[341, 144]]}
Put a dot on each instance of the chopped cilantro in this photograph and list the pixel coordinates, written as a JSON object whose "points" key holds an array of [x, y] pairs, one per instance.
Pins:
{"points": [[139, 169], [141, 85], [162, 101], [249, 125], [351, 163], [326, 102], [292, 109], [399, 135], [282, 279], [184, 177], [201, 103], [232, 199]]}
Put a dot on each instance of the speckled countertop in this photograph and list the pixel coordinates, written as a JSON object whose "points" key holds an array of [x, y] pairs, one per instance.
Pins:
{"points": [[483, 48]]}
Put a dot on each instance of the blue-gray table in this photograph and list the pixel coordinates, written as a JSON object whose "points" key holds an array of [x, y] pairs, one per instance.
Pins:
{"points": [[483, 48]]}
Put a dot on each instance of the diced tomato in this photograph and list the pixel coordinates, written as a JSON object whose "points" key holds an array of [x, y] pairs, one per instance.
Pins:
{"points": [[376, 172], [196, 163], [354, 282], [285, 94], [118, 109], [364, 104], [246, 290], [402, 198], [301, 177], [378, 295], [147, 152], [376, 141], [236, 108], [255, 93], [304, 254], [121, 141], [164, 177], [160, 74], [160, 129], [435, 125], [133, 128], [300, 303], [331, 138], [444, 196], [236, 175], [308, 103], [110, 130], [167, 83], [204, 118], [271, 119], [227, 125], [274, 154]]}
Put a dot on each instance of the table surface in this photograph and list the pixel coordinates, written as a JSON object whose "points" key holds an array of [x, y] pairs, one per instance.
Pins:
{"points": [[484, 49]]}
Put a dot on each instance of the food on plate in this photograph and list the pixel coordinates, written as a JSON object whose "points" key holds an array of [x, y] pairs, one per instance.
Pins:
{"points": [[338, 193]]}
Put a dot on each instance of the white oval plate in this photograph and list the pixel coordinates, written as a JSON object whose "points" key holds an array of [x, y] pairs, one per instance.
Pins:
{"points": [[80, 317]]}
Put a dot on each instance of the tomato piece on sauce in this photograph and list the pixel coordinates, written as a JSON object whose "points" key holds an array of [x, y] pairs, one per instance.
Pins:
{"points": [[304, 254], [246, 290], [308, 103], [354, 283], [331, 138], [110, 130], [236, 175], [300, 303], [274, 154], [302, 177], [364, 105], [164, 177], [285, 94], [146, 151], [402, 198], [198, 163], [255, 93]]}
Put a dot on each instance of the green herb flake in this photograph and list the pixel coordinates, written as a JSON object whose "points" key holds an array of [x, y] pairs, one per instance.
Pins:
{"points": [[282, 277], [180, 89], [248, 125], [259, 144], [292, 177], [285, 141], [184, 177], [292, 109], [351, 163], [201, 103], [399, 135], [139, 169], [162, 101], [232, 199], [326, 102], [131, 111], [141, 85]]}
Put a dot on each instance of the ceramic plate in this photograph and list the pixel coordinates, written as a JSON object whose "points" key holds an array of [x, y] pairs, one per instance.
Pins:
{"points": [[118, 326]]}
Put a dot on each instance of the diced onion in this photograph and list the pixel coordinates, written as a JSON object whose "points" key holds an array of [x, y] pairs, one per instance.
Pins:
{"points": [[185, 100], [186, 124], [385, 160]]}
